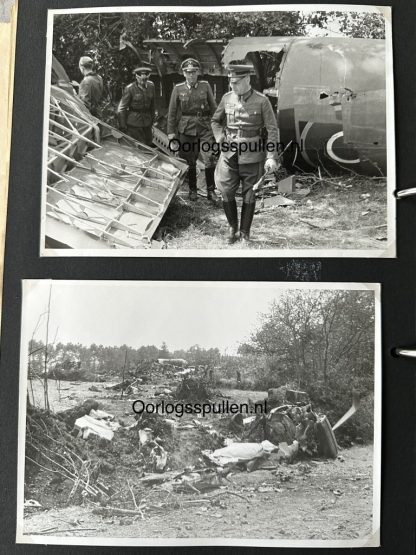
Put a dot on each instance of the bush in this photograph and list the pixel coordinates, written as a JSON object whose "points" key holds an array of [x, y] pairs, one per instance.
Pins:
{"points": [[193, 389]]}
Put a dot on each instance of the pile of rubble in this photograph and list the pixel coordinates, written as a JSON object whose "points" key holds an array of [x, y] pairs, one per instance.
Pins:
{"points": [[159, 454]]}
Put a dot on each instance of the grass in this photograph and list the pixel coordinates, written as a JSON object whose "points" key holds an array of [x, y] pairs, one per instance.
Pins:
{"points": [[348, 212]]}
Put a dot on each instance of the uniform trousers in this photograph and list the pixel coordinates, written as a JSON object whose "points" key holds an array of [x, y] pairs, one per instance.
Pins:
{"points": [[141, 134], [229, 174]]}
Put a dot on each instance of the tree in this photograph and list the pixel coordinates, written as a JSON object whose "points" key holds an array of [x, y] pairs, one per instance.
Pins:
{"points": [[319, 340], [115, 41], [163, 351]]}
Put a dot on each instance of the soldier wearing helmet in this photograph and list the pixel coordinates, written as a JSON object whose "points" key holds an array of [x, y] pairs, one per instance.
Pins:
{"points": [[191, 107], [241, 119], [91, 87], [136, 110]]}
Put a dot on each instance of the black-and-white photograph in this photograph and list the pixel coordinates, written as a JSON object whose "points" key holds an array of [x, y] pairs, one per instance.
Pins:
{"points": [[184, 131], [200, 413]]}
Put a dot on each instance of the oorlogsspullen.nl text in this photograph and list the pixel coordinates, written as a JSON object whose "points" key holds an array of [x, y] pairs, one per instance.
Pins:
{"points": [[179, 409], [240, 146]]}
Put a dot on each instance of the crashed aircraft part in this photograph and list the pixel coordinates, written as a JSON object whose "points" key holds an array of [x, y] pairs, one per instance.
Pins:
{"points": [[327, 444], [340, 93], [104, 189], [329, 147]]}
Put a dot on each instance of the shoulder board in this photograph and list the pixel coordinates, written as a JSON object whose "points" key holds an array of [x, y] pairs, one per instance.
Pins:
{"points": [[202, 81], [259, 93], [179, 84], [228, 93], [130, 85], [150, 83]]}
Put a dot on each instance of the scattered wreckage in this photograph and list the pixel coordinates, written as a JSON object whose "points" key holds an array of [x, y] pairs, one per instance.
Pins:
{"points": [[85, 444]]}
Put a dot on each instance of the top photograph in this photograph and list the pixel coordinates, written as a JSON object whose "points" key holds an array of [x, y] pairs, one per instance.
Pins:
{"points": [[260, 131]]}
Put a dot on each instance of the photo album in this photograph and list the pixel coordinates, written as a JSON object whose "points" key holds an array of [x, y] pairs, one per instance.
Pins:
{"points": [[208, 295]]}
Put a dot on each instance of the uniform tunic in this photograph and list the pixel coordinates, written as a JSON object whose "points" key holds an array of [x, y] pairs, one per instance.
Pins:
{"points": [[91, 91], [242, 121], [189, 117], [136, 111]]}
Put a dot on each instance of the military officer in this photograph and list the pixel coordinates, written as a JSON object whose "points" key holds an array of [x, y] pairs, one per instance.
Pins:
{"points": [[238, 125], [191, 107], [136, 110], [91, 87]]}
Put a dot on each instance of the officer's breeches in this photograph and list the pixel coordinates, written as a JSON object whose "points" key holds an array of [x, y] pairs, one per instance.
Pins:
{"points": [[193, 145], [229, 174]]}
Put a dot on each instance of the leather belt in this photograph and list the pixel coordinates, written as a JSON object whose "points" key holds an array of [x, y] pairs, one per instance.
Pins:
{"points": [[243, 133], [141, 111], [240, 134], [197, 115]]}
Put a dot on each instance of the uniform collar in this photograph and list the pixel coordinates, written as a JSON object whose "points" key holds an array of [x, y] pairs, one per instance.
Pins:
{"points": [[244, 97], [141, 86], [190, 87]]}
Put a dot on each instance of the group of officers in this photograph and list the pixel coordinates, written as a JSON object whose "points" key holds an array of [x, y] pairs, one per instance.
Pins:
{"points": [[195, 123]]}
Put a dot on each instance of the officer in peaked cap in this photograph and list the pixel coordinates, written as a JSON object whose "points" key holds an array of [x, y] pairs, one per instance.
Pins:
{"points": [[238, 125], [91, 87], [136, 110], [191, 107]]}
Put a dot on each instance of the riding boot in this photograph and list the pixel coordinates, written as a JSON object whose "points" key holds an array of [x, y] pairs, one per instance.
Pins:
{"points": [[193, 195], [209, 178], [247, 213], [230, 209]]}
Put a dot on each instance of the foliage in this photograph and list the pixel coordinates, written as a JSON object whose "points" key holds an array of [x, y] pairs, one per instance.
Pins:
{"points": [[361, 25], [321, 342], [93, 360], [115, 40]]}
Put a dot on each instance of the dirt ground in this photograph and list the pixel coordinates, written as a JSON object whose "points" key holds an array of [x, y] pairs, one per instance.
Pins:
{"points": [[302, 506], [348, 212], [308, 499]]}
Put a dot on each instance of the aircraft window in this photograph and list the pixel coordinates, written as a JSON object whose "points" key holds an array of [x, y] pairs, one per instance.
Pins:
{"points": [[323, 95]]}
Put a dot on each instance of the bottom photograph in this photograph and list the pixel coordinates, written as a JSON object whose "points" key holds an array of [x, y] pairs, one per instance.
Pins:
{"points": [[200, 413]]}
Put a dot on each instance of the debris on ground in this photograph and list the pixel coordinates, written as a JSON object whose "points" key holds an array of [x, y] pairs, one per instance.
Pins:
{"points": [[276, 192], [70, 415], [193, 389], [88, 455], [120, 386], [249, 455], [87, 425], [31, 503], [94, 388]]}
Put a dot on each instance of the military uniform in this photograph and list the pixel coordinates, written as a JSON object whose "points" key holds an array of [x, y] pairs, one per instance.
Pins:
{"points": [[136, 111], [189, 118], [91, 91], [241, 120]]}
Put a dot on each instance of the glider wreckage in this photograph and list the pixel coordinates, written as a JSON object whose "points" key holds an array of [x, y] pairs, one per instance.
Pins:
{"points": [[104, 189]]}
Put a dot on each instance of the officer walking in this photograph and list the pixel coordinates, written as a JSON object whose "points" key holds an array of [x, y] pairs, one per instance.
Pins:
{"points": [[191, 107], [136, 110], [238, 125], [91, 87]]}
